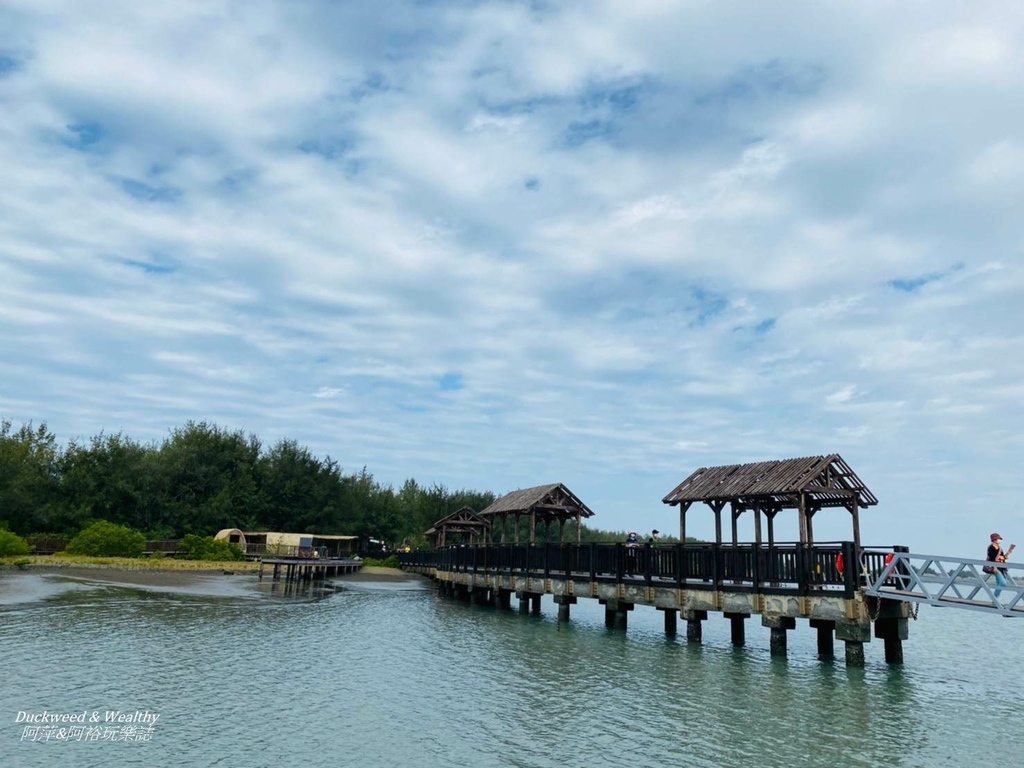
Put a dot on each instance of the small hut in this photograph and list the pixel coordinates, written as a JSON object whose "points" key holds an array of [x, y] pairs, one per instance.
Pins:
{"points": [[807, 485], [549, 504], [463, 526], [232, 536]]}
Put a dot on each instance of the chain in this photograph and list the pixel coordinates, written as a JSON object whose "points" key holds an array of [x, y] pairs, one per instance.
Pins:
{"points": [[878, 608], [914, 608]]}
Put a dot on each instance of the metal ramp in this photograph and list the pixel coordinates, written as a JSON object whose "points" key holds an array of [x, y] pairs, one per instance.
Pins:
{"points": [[946, 582]]}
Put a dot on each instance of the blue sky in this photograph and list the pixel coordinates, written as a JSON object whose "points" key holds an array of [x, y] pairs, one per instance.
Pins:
{"points": [[498, 244]]}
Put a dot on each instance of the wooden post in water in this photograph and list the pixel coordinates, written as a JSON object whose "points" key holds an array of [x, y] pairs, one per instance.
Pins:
{"points": [[737, 628], [854, 653], [694, 626], [671, 618], [893, 631], [854, 634], [563, 602], [616, 614], [779, 625], [826, 646]]}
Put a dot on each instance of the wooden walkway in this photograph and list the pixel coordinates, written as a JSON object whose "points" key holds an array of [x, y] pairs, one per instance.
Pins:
{"points": [[308, 568]]}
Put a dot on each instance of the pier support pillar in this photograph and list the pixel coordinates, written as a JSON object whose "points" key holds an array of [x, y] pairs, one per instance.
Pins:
{"points": [[826, 646], [779, 626], [535, 604], [505, 599], [671, 619], [482, 596], [616, 614], [563, 602], [854, 653], [462, 592], [694, 625], [737, 628], [854, 634], [777, 643], [893, 631], [524, 602]]}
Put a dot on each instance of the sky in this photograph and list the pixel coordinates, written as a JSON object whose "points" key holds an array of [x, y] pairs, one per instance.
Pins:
{"points": [[493, 245]]}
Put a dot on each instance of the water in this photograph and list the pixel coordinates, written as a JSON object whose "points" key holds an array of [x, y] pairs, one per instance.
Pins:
{"points": [[388, 674]]}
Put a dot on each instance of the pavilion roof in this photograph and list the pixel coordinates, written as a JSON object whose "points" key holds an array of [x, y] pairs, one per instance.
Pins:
{"points": [[547, 502], [827, 481], [464, 520]]}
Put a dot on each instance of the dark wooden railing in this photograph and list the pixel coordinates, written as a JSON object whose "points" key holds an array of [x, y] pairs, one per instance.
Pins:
{"points": [[293, 551], [780, 569]]}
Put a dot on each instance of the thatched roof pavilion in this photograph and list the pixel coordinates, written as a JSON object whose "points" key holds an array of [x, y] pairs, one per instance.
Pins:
{"points": [[545, 503], [806, 485], [460, 524]]}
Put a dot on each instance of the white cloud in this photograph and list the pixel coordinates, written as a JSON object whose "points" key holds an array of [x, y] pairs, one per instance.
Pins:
{"points": [[647, 237]]}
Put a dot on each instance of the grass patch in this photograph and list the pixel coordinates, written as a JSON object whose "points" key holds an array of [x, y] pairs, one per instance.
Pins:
{"points": [[133, 563]]}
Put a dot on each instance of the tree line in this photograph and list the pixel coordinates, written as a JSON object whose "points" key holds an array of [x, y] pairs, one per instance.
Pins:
{"points": [[202, 478]]}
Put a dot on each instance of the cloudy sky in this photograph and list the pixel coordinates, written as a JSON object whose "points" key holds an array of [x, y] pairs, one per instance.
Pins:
{"points": [[499, 244]]}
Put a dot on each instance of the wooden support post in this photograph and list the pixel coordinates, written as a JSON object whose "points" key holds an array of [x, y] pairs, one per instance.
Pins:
{"points": [[671, 618], [524, 602], [778, 641], [737, 628], [893, 650], [694, 625], [505, 599], [854, 653], [779, 625], [893, 631], [616, 614], [536, 604], [563, 602], [826, 644]]}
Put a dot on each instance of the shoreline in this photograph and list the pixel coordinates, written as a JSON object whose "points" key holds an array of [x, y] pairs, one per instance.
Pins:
{"points": [[155, 565], [81, 566]]}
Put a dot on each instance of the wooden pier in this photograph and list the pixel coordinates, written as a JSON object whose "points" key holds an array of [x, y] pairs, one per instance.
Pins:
{"points": [[782, 583], [309, 568]]}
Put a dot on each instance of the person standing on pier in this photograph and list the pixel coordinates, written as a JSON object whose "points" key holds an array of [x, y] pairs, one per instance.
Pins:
{"points": [[995, 554], [632, 544]]}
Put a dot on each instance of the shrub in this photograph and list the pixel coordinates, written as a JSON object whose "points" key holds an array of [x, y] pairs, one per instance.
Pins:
{"points": [[103, 539], [208, 548], [12, 544], [390, 562]]}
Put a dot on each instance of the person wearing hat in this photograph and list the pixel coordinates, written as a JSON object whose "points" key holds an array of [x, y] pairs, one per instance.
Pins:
{"points": [[995, 554], [654, 537], [632, 540]]}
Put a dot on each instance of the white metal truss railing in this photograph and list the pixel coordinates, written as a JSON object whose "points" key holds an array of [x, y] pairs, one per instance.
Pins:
{"points": [[949, 582]]}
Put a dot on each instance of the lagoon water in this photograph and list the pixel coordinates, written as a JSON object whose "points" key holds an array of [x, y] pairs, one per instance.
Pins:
{"points": [[388, 674]]}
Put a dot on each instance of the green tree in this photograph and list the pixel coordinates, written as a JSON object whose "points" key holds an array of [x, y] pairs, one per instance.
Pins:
{"points": [[210, 479], [107, 480], [29, 478], [106, 539]]}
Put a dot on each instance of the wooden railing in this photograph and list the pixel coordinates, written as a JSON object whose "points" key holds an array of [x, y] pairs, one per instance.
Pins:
{"points": [[780, 569]]}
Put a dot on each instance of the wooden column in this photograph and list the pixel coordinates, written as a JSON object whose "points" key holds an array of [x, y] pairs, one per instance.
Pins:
{"points": [[856, 531], [717, 506], [803, 518], [682, 521]]}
